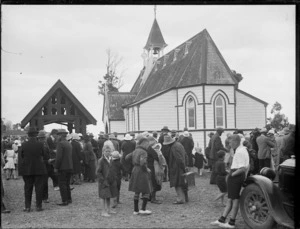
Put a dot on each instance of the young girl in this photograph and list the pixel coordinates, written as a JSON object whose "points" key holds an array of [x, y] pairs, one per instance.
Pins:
{"points": [[221, 176], [107, 184], [9, 167], [199, 160]]}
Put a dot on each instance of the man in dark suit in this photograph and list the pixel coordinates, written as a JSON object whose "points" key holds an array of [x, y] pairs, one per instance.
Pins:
{"points": [[33, 169], [64, 167], [216, 145], [52, 142]]}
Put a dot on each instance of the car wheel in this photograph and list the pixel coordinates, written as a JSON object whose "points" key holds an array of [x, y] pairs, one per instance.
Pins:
{"points": [[254, 208]]}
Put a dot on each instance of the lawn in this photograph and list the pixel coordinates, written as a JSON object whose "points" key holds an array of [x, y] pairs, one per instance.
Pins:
{"points": [[85, 210]]}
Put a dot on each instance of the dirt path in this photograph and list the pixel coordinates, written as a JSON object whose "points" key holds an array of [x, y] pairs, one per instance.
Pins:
{"points": [[85, 210]]}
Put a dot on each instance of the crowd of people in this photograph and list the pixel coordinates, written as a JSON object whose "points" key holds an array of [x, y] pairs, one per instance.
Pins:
{"points": [[145, 160]]}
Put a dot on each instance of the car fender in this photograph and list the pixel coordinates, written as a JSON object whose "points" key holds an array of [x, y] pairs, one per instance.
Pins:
{"points": [[274, 199]]}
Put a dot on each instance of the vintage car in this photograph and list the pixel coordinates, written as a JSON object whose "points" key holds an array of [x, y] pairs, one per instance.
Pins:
{"points": [[266, 201]]}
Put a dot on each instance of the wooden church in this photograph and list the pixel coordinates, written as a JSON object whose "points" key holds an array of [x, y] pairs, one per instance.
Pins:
{"points": [[191, 86]]}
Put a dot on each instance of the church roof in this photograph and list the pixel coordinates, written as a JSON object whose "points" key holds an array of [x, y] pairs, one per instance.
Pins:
{"points": [[115, 102], [155, 38], [58, 85], [201, 64]]}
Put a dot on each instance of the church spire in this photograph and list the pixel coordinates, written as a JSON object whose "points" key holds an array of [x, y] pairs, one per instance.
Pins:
{"points": [[155, 40]]}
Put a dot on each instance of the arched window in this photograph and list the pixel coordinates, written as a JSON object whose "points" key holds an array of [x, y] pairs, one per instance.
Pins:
{"points": [[190, 113], [219, 112]]}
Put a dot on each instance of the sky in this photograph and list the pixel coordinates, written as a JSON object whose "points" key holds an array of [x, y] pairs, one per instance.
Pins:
{"points": [[44, 43]]}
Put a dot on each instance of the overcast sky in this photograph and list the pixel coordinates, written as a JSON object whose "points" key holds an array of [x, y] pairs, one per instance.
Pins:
{"points": [[70, 42]]}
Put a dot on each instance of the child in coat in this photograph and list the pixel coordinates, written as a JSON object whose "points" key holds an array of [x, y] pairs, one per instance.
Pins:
{"points": [[117, 169], [199, 160], [221, 176], [107, 182]]}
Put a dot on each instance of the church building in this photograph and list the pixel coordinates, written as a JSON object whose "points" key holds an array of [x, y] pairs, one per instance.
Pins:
{"points": [[191, 86]]}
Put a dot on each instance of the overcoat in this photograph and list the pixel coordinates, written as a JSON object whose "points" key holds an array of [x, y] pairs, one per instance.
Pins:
{"points": [[77, 156], [140, 180], [107, 179], [127, 147], [216, 145], [177, 164], [64, 160], [264, 147], [152, 156], [31, 158], [199, 159], [188, 145], [90, 161]]}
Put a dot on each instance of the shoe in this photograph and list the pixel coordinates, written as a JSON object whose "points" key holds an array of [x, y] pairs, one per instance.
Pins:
{"points": [[178, 202], [26, 210], [217, 223], [145, 212], [63, 204], [105, 215], [156, 202], [39, 209], [5, 211], [56, 188], [227, 225], [46, 201], [136, 213]]}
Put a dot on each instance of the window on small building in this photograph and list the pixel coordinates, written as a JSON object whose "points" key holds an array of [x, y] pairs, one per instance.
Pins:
{"points": [[191, 113], [44, 110], [53, 99], [220, 111], [63, 111], [54, 111]]}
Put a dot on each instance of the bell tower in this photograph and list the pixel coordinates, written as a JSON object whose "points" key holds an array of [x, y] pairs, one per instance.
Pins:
{"points": [[154, 47]]}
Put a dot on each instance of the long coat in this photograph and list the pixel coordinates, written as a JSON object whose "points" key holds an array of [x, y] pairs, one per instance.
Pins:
{"points": [[31, 158], [90, 161], [107, 179], [188, 145], [127, 147], [199, 159], [152, 156], [216, 145], [264, 147], [140, 180], [77, 156], [177, 164], [64, 160]]}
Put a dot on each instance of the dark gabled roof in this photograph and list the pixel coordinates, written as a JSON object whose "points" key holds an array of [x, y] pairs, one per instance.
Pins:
{"points": [[203, 64], [115, 102], [58, 85], [155, 38]]}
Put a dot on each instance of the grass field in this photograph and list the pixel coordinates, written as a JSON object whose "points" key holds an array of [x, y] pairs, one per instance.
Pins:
{"points": [[85, 210]]}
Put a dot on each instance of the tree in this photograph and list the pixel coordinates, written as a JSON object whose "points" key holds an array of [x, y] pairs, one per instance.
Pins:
{"points": [[3, 126], [9, 125], [112, 79], [17, 126], [278, 120]]}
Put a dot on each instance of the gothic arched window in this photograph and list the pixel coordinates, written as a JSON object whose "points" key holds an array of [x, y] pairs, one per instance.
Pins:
{"points": [[190, 113], [219, 111]]}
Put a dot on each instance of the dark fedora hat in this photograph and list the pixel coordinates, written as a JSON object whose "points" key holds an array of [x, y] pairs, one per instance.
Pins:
{"points": [[32, 131], [165, 128]]}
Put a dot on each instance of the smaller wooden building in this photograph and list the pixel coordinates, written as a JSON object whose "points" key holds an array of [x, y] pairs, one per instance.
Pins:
{"points": [[59, 106]]}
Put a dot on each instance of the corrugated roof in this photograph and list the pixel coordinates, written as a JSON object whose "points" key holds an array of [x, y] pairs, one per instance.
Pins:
{"points": [[115, 101], [203, 64], [155, 38]]}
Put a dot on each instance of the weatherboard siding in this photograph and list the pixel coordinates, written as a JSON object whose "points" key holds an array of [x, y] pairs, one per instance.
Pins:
{"points": [[212, 91], [118, 126], [249, 112], [158, 112]]}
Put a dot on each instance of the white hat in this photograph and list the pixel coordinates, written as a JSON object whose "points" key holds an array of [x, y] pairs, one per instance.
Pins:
{"points": [[271, 131], [69, 136], [127, 137], [186, 134], [80, 134], [263, 130], [76, 136], [157, 146]]}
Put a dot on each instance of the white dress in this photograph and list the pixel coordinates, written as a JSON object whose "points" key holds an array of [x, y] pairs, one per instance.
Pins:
{"points": [[10, 155]]}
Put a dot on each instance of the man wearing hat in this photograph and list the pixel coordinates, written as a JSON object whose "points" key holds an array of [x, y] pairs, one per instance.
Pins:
{"points": [[48, 163], [127, 147], [64, 166], [177, 163], [216, 145], [207, 152], [287, 148], [77, 158], [188, 144], [52, 142], [33, 169], [165, 130], [264, 149]]}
